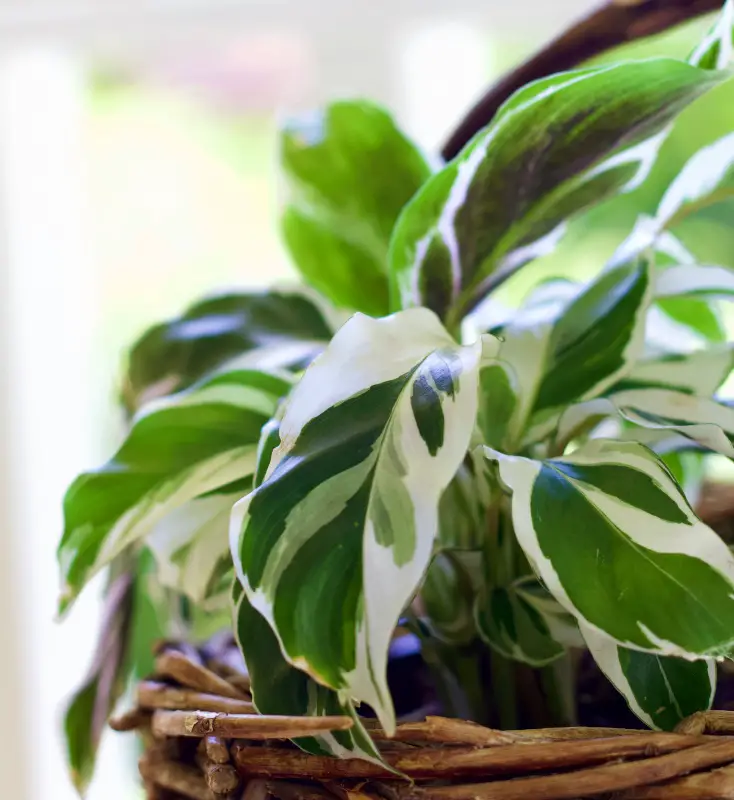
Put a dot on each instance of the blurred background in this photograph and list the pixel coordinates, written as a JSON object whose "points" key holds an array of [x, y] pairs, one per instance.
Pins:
{"points": [[137, 172]]}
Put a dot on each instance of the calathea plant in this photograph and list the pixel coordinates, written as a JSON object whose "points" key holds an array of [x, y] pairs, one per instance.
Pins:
{"points": [[388, 445]]}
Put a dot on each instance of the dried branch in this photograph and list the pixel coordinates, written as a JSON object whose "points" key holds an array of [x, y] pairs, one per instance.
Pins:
{"points": [[225, 668], [586, 782], [704, 786], [216, 750], [286, 790], [457, 762], [131, 720], [220, 778], [444, 730], [199, 724], [175, 777], [182, 669], [707, 722], [610, 25], [152, 694]]}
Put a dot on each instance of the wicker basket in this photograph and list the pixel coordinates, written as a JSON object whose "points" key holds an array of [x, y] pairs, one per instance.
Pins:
{"points": [[204, 741]]}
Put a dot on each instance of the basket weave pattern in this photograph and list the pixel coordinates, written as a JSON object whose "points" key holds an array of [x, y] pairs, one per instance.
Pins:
{"points": [[204, 741]]}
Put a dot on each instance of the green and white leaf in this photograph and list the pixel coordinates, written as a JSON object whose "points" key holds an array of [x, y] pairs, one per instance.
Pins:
{"points": [[706, 178], [262, 330], [178, 448], [333, 545], [661, 690], [716, 50], [513, 627], [191, 543], [701, 372], [536, 165], [561, 624], [348, 171], [281, 689], [710, 282], [701, 419], [447, 595], [631, 548], [598, 336]]}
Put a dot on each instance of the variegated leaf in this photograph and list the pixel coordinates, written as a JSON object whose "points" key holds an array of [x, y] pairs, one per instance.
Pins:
{"points": [[513, 627], [348, 173], [498, 398], [538, 163], [281, 689], [191, 543], [695, 281], [336, 540], [447, 595], [263, 330], [661, 690], [716, 50], [598, 336], [701, 419], [706, 178], [178, 448], [701, 372], [612, 536], [561, 624]]}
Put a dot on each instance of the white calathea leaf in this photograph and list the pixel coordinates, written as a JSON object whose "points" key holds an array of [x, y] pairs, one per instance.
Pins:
{"points": [[279, 328], [613, 538], [594, 341], [551, 152], [701, 419], [693, 280], [661, 690], [514, 627], [191, 544], [716, 50], [447, 595], [281, 689], [701, 372], [334, 543], [561, 624], [706, 178], [179, 448]]}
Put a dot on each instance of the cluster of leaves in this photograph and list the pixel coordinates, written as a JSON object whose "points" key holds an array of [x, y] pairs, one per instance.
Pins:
{"points": [[519, 473]]}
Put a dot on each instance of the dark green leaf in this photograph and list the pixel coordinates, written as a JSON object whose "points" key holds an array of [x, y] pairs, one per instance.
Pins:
{"points": [[349, 171], [286, 327]]}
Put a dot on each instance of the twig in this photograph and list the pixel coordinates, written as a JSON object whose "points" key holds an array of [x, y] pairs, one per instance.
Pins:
{"points": [[175, 777], [707, 722], [457, 762], [608, 26], [152, 694], [130, 721], [586, 782], [199, 724], [443, 730], [178, 667], [225, 668], [286, 790], [704, 786], [216, 750], [255, 790], [220, 778]]}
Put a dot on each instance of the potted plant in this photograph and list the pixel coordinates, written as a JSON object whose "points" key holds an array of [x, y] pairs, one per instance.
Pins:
{"points": [[317, 471]]}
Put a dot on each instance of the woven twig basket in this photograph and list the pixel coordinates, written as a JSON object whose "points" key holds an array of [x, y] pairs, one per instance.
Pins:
{"points": [[204, 741]]}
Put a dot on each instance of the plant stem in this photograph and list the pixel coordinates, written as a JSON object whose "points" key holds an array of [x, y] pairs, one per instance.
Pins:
{"points": [[557, 683], [504, 690]]}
